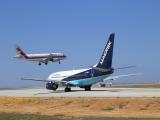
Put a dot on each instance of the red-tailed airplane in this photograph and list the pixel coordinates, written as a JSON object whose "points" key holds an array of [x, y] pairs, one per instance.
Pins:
{"points": [[40, 58]]}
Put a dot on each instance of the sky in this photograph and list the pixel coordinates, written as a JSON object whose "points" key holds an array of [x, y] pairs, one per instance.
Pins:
{"points": [[79, 29]]}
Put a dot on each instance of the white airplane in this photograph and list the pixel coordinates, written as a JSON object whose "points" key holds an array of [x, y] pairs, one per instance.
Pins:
{"points": [[40, 58], [85, 78]]}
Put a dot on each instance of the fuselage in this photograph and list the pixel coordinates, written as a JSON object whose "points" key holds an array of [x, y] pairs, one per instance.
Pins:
{"points": [[81, 77], [38, 57]]}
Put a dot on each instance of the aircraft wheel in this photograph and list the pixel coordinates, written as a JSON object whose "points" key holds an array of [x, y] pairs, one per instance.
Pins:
{"points": [[39, 63], [67, 89], [87, 88]]}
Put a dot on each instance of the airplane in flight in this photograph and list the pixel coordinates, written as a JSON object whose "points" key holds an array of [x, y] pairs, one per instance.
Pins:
{"points": [[40, 58], [85, 78]]}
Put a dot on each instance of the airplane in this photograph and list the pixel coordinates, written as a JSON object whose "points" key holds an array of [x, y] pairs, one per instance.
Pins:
{"points": [[40, 58], [85, 78]]}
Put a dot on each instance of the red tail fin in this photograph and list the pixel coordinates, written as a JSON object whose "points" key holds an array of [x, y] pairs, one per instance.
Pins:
{"points": [[19, 51]]}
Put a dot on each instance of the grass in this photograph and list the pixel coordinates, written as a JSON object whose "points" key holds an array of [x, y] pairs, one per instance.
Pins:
{"points": [[14, 116], [114, 107]]}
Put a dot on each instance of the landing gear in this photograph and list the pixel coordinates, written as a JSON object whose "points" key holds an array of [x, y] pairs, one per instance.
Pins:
{"points": [[67, 89], [51, 60], [46, 63], [39, 63], [87, 88]]}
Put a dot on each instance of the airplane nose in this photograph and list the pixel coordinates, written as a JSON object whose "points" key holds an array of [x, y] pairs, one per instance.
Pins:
{"points": [[64, 56], [16, 56]]}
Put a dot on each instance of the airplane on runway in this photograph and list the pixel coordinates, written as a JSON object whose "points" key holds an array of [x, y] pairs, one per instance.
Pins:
{"points": [[85, 78], [40, 58]]}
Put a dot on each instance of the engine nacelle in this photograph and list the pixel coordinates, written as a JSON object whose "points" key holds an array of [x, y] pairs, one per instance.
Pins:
{"points": [[51, 86]]}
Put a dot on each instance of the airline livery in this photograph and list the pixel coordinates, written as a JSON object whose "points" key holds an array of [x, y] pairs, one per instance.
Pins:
{"points": [[85, 78], [40, 58]]}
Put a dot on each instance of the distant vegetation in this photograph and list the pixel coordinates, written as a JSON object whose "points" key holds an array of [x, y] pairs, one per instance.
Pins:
{"points": [[13, 116], [136, 85]]}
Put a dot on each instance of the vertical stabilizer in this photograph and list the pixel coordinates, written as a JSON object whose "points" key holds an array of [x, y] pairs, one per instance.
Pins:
{"points": [[20, 52], [106, 58]]}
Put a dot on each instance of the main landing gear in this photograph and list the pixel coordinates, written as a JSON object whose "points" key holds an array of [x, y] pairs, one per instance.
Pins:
{"points": [[87, 88], [46, 63], [67, 89]]}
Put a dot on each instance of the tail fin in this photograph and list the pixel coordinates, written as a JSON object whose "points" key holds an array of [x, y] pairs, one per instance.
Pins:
{"points": [[20, 52], [106, 58]]}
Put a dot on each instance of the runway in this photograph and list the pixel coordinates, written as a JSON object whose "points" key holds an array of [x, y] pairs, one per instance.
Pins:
{"points": [[77, 92]]}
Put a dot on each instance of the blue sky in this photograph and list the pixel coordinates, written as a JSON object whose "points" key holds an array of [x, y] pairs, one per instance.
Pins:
{"points": [[80, 29]]}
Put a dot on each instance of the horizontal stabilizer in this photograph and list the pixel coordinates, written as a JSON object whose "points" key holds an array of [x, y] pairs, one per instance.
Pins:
{"points": [[125, 67], [119, 76]]}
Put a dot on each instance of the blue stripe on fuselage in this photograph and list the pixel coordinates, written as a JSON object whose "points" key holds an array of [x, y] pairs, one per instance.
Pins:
{"points": [[87, 74], [88, 81]]}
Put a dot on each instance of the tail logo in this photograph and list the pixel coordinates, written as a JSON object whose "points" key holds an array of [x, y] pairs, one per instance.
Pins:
{"points": [[105, 52]]}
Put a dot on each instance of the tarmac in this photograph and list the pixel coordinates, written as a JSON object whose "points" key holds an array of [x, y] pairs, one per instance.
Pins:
{"points": [[78, 92]]}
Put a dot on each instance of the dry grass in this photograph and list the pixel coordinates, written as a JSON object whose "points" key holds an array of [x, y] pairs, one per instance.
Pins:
{"points": [[83, 107]]}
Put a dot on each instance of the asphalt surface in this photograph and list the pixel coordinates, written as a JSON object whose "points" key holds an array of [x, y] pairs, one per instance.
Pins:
{"points": [[77, 92]]}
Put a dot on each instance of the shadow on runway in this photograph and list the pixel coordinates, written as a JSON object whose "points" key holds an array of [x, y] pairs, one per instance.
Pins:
{"points": [[44, 93], [62, 91], [107, 90], [58, 91]]}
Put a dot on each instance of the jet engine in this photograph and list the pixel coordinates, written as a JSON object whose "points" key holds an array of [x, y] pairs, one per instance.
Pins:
{"points": [[51, 86]]}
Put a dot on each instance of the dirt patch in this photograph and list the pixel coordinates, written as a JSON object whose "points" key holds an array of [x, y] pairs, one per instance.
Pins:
{"points": [[83, 107]]}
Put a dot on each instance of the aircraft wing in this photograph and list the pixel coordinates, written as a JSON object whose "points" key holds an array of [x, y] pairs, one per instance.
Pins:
{"points": [[32, 79], [119, 76], [43, 80], [106, 70]]}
